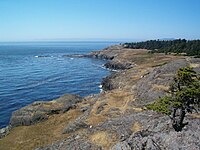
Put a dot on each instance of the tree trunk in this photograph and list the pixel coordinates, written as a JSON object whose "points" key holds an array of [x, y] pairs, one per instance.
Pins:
{"points": [[178, 124], [182, 116]]}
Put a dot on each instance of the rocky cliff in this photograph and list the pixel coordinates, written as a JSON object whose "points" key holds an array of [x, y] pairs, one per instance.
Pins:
{"points": [[114, 119]]}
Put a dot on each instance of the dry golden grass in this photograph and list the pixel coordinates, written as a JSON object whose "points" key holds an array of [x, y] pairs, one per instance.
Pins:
{"points": [[146, 60], [96, 119], [195, 115], [103, 139], [115, 99], [41, 134], [160, 87], [136, 127], [118, 98], [100, 138], [194, 65]]}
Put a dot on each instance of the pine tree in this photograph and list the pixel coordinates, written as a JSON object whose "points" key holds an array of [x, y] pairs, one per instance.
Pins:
{"points": [[184, 97]]}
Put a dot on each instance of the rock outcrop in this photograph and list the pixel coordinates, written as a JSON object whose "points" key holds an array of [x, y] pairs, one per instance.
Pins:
{"points": [[40, 110], [4, 131], [143, 130], [108, 53], [107, 82], [157, 134], [155, 84], [75, 142], [118, 65]]}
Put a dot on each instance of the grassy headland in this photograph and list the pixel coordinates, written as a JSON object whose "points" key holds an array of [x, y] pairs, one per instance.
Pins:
{"points": [[116, 116]]}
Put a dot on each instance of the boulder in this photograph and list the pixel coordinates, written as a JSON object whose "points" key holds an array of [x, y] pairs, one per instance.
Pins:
{"points": [[4, 131]]}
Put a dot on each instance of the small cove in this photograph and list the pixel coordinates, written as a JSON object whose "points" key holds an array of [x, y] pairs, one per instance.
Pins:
{"points": [[34, 71]]}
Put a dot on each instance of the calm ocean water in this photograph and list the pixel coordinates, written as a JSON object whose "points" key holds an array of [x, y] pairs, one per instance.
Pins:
{"points": [[25, 77]]}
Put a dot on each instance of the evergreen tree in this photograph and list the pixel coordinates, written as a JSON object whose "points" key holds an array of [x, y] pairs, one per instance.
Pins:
{"points": [[184, 97]]}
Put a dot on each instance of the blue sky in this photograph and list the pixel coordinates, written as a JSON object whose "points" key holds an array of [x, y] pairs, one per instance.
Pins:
{"points": [[24, 20]]}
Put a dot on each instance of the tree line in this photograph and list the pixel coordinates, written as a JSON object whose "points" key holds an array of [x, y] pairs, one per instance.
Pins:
{"points": [[188, 47]]}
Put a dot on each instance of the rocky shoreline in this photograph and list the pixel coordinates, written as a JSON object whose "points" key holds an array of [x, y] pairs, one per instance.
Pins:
{"points": [[114, 119]]}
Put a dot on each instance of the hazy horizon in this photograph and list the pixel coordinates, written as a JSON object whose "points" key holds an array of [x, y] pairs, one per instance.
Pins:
{"points": [[113, 20], [75, 40]]}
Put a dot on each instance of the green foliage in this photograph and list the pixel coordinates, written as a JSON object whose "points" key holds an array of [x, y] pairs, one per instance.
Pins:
{"points": [[184, 93], [186, 88], [161, 105], [191, 48]]}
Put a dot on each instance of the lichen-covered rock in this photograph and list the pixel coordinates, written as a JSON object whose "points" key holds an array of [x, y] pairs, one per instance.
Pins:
{"points": [[4, 131], [68, 101], [39, 111], [75, 142], [108, 82], [155, 84], [116, 65], [172, 140], [156, 132], [74, 126], [121, 146]]}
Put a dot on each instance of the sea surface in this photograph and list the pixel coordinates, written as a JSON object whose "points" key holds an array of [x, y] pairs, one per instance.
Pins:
{"points": [[32, 71]]}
